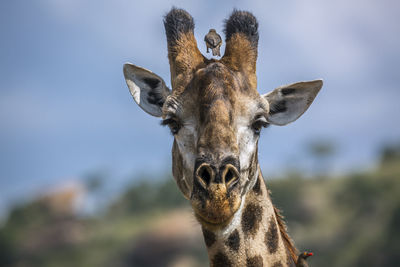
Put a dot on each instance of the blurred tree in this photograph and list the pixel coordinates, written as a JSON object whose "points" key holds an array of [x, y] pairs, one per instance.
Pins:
{"points": [[7, 248], [322, 152], [390, 153], [286, 192], [94, 181], [96, 197]]}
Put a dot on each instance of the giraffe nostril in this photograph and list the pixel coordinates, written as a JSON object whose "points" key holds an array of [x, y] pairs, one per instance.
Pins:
{"points": [[204, 175], [230, 175]]}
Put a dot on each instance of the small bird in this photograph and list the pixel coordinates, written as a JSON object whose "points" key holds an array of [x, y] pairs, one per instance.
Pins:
{"points": [[213, 41], [301, 260]]}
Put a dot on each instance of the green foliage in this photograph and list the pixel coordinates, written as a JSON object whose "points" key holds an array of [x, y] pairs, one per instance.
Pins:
{"points": [[349, 221], [7, 249], [285, 192], [322, 152], [390, 153], [147, 196]]}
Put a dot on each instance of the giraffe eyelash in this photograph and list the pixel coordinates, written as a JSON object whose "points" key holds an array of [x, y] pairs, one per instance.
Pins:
{"points": [[167, 121], [173, 125]]}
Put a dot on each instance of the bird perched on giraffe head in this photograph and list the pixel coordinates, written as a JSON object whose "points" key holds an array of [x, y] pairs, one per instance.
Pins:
{"points": [[301, 260], [213, 40]]}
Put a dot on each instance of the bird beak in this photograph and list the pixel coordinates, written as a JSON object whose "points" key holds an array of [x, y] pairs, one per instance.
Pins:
{"points": [[310, 254]]}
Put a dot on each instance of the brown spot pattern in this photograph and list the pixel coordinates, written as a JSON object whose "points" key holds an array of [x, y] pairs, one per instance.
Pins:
{"points": [[251, 218], [255, 261], [253, 168], [257, 187], [209, 237], [233, 241], [221, 260], [271, 236]]}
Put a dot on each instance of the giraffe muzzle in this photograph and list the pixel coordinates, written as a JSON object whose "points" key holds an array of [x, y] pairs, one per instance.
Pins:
{"points": [[216, 193]]}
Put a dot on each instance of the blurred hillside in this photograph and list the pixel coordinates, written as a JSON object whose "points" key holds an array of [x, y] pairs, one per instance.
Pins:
{"points": [[351, 220]]}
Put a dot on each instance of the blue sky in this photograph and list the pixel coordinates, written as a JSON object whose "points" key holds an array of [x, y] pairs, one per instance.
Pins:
{"points": [[65, 109]]}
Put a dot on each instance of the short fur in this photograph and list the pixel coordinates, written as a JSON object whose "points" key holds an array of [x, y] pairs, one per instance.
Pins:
{"points": [[251, 219], [241, 30], [286, 238], [233, 241], [278, 107], [213, 83], [176, 23], [257, 188], [271, 236], [255, 261], [221, 260], [214, 111], [183, 53], [209, 237], [242, 22]]}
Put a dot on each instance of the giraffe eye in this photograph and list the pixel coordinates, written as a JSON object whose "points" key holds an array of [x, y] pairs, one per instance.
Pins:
{"points": [[258, 124], [173, 125]]}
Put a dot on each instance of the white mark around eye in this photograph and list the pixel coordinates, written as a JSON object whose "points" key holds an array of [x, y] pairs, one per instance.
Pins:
{"points": [[186, 140], [247, 143]]}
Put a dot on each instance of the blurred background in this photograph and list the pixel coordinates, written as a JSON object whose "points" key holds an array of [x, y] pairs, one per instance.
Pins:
{"points": [[85, 173]]}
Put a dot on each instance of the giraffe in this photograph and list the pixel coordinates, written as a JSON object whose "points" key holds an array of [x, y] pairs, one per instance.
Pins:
{"points": [[216, 114]]}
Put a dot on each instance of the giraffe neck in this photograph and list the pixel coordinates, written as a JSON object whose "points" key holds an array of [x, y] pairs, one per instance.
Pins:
{"points": [[255, 237]]}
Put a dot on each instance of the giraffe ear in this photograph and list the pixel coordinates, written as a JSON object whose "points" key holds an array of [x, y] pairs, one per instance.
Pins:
{"points": [[147, 88], [287, 103]]}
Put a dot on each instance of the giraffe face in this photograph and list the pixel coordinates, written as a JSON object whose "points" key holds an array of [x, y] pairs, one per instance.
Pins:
{"points": [[215, 113], [216, 122]]}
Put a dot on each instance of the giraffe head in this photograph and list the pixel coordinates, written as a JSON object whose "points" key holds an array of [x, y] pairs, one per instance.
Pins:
{"points": [[215, 113]]}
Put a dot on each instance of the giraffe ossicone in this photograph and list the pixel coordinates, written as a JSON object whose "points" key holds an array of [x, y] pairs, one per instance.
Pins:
{"points": [[216, 114]]}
